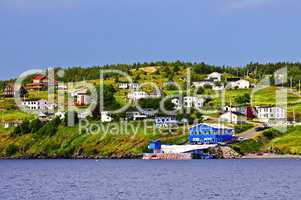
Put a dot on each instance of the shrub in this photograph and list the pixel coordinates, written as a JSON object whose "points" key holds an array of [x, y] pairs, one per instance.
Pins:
{"points": [[35, 125], [21, 129], [271, 134], [248, 146], [25, 127], [50, 128], [243, 100], [152, 103], [11, 150], [200, 90], [207, 86]]}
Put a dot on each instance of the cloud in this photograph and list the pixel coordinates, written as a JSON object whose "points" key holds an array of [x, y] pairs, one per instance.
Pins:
{"points": [[238, 4]]}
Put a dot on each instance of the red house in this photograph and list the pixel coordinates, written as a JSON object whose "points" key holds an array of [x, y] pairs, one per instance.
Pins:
{"points": [[40, 82], [251, 112]]}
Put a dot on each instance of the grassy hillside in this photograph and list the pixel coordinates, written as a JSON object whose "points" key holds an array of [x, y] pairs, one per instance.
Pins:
{"points": [[289, 143], [273, 141], [68, 142], [12, 115]]}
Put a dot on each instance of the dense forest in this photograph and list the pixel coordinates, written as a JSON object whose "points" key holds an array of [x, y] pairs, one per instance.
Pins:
{"points": [[254, 70]]}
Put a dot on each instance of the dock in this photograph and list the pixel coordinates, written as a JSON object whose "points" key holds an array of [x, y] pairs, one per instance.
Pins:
{"points": [[179, 152], [167, 156]]}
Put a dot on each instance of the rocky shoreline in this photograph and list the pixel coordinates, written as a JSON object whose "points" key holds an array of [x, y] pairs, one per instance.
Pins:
{"points": [[219, 152], [270, 156], [112, 157], [224, 152]]}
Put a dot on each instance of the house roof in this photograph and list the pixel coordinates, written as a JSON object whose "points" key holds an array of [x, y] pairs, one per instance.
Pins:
{"points": [[218, 126], [214, 73], [232, 79], [262, 107], [38, 77], [9, 87], [235, 113]]}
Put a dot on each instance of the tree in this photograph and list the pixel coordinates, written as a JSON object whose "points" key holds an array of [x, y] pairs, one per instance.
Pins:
{"points": [[200, 90], [198, 115], [152, 103], [50, 128], [35, 125], [243, 100], [109, 100], [207, 86], [11, 150], [168, 105], [22, 129]]}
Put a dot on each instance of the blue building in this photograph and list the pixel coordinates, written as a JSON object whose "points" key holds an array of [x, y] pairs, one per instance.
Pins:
{"points": [[210, 134], [155, 146]]}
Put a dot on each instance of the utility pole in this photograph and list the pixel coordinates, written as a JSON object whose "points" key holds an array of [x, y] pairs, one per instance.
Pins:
{"points": [[230, 111], [299, 87], [294, 115]]}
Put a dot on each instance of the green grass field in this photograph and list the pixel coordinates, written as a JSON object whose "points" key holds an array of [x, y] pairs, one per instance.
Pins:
{"points": [[11, 115], [265, 97], [273, 141], [289, 143]]}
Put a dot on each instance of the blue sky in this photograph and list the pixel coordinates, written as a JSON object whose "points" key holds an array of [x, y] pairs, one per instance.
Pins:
{"points": [[38, 34]]}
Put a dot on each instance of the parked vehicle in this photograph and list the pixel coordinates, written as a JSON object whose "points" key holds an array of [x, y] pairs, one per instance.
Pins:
{"points": [[260, 129]]}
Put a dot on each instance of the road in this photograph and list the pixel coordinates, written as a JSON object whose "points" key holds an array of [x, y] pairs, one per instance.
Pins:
{"points": [[250, 133]]}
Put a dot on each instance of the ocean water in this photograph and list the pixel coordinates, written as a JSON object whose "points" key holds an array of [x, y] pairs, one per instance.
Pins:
{"points": [[139, 179]]}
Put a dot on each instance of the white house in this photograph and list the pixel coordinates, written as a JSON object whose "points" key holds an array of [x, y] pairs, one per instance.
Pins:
{"points": [[218, 88], [52, 106], [60, 114], [240, 84], [9, 124], [133, 85], [135, 115], [203, 83], [155, 94], [215, 76], [136, 95], [84, 115], [241, 110], [35, 105], [267, 114], [232, 117], [188, 102], [105, 117], [128, 85], [165, 122], [62, 87], [76, 92], [122, 85], [43, 116]]}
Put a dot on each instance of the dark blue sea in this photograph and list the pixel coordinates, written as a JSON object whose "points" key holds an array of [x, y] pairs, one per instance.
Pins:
{"points": [[139, 179]]}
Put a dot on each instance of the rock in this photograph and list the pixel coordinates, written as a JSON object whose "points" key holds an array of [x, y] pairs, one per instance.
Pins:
{"points": [[224, 152]]}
